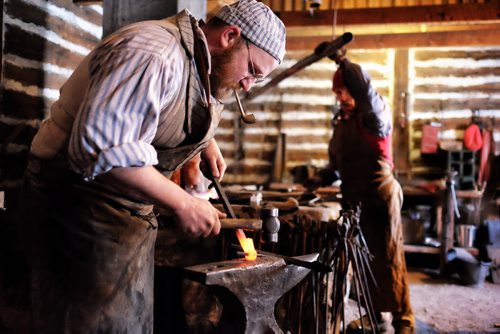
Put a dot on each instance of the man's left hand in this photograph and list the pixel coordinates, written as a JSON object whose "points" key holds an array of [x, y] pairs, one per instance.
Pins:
{"points": [[213, 159]]}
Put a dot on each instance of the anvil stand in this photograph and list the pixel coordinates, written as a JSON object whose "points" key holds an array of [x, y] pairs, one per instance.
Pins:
{"points": [[249, 290]]}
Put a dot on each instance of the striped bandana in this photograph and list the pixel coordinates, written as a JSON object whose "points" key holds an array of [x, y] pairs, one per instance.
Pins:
{"points": [[258, 24]]}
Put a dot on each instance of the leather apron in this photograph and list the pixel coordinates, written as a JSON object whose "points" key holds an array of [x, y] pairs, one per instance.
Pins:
{"points": [[370, 182]]}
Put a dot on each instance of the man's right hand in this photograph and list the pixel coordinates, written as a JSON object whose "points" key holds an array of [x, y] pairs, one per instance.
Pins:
{"points": [[197, 217]]}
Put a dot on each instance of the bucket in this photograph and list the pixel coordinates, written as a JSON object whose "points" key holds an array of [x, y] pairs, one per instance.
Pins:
{"points": [[413, 231], [466, 235], [470, 271]]}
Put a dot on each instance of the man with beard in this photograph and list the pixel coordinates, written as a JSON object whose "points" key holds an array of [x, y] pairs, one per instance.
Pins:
{"points": [[360, 150], [144, 102]]}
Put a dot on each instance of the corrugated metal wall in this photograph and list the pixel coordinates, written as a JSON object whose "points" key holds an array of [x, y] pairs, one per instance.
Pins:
{"points": [[43, 41]]}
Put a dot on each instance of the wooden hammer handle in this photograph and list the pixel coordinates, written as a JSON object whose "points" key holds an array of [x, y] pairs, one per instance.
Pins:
{"points": [[252, 224]]}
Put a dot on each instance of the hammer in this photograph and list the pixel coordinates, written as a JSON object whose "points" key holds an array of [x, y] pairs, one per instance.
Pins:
{"points": [[249, 224]]}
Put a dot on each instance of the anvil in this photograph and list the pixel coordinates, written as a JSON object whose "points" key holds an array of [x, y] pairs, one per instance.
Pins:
{"points": [[249, 290]]}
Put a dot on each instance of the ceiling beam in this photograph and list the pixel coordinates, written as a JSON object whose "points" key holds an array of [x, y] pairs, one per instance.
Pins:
{"points": [[489, 11], [428, 39]]}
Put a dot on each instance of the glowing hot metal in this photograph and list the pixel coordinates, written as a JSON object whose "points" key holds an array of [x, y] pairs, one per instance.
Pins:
{"points": [[247, 245]]}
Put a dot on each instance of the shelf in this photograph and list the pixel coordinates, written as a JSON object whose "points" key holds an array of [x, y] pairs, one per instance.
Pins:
{"points": [[433, 250], [421, 249]]}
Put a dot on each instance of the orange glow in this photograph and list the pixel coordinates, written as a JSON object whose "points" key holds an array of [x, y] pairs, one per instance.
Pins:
{"points": [[247, 245]]}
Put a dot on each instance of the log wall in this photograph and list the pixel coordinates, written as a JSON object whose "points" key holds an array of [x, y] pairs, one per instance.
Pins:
{"points": [[301, 107], [43, 42], [446, 85], [451, 86]]}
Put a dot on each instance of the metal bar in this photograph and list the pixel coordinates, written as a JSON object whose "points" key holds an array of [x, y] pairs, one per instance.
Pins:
{"points": [[360, 271], [314, 265], [324, 49], [222, 196]]}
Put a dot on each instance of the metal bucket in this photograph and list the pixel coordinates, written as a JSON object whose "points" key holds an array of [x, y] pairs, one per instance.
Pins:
{"points": [[466, 235], [470, 271]]}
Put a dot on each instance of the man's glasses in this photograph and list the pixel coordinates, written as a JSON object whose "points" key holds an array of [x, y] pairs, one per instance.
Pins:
{"points": [[258, 77]]}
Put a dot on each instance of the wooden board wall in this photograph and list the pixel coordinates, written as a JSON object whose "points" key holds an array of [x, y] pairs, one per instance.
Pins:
{"points": [[43, 43]]}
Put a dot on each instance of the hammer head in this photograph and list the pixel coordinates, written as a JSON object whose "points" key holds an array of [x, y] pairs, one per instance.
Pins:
{"points": [[270, 224]]}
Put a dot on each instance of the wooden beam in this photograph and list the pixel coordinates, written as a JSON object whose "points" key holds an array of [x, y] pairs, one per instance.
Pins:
{"points": [[87, 2], [489, 11], [429, 39], [377, 29]]}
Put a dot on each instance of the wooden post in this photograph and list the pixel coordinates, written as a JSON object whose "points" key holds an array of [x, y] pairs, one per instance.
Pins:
{"points": [[117, 13], [401, 147]]}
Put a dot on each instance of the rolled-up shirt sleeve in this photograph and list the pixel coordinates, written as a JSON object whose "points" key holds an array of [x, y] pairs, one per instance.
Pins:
{"points": [[118, 118]]}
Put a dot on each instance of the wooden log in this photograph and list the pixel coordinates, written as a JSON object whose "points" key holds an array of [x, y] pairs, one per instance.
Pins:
{"points": [[446, 124], [21, 106], [85, 12], [456, 72], [477, 54], [33, 77], [33, 47], [242, 168], [306, 155], [312, 124], [23, 137], [466, 89], [35, 15], [454, 104]]}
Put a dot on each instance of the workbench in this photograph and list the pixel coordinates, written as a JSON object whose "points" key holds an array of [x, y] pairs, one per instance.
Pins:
{"points": [[436, 200]]}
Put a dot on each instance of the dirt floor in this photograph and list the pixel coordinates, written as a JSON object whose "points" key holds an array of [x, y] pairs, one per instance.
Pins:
{"points": [[445, 306]]}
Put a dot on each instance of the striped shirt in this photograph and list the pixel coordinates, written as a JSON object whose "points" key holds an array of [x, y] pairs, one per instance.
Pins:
{"points": [[133, 76]]}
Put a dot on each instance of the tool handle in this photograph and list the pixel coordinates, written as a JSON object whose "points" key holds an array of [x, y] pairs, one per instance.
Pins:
{"points": [[252, 224]]}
